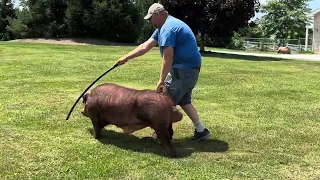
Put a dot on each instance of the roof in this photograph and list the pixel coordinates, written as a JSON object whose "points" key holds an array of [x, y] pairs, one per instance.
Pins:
{"points": [[311, 18], [310, 26], [314, 12]]}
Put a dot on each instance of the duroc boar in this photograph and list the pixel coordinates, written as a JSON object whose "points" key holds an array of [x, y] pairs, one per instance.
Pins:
{"points": [[131, 110], [284, 50]]}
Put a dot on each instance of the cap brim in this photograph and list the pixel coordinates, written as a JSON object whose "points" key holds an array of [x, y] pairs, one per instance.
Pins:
{"points": [[148, 16]]}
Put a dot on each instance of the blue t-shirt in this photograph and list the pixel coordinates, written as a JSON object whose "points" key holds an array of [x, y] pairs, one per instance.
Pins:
{"points": [[177, 34]]}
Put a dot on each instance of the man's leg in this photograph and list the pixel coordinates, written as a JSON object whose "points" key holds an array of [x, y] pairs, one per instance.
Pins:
{"points": [[201, 132], [180, 91], [193, 115], [191, 78]]}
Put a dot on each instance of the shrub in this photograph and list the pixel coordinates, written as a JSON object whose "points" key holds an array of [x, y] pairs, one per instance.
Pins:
{"points": [[237, 42]]}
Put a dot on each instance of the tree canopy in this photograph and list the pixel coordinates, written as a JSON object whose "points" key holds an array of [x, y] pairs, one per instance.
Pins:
{"points": [[216, 19], [284, 19], [122, 20], [6, 12]]}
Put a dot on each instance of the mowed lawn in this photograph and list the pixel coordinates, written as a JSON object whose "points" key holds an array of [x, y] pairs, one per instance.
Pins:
{"points": [[264, 116]]}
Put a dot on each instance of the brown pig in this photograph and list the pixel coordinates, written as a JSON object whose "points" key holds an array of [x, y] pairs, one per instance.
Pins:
{"points": [[284, 50], [131, 110]]}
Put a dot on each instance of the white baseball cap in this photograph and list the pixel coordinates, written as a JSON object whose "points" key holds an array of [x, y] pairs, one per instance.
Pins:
{"points": [[156, 7]]}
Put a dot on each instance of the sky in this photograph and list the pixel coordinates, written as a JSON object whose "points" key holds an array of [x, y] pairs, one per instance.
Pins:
{"points": [[313, 4]]}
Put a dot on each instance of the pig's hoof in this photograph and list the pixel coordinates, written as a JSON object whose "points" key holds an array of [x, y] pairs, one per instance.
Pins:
{"points": [[173, 155], [97, 136]]}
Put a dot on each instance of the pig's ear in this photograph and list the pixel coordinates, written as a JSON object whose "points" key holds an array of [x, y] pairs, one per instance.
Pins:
{"points": [[85, 97]]}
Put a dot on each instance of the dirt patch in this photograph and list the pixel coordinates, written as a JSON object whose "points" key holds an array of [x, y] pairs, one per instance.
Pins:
{"points": [[73, 41]]}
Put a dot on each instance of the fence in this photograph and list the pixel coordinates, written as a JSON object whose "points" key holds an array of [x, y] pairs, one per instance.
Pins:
{"points": [[266, 44]]}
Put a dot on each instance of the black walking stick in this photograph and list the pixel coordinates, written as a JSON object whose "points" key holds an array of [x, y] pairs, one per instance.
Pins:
{"points": [[88, 88]]}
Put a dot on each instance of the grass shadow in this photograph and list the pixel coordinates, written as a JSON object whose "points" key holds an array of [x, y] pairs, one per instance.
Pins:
{"points": [[240, 56], [101, 42], [184, 147]]}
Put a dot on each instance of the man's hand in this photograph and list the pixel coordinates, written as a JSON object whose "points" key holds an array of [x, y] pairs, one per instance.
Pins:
{"points": [[121, 61], [161, 88]]}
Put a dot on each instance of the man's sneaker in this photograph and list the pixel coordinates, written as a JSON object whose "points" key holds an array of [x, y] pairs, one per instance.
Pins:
{"points": [[154, 137], [201, 135]]}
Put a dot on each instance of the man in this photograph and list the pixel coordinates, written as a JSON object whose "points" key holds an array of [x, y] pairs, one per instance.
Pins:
{"points": [[181, 61]]}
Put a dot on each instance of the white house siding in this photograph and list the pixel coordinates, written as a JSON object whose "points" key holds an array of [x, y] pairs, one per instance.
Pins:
{"points": [[316, 34]]}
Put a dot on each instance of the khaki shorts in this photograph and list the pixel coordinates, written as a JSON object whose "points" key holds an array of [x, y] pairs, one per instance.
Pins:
{"points": [[180, 83]]}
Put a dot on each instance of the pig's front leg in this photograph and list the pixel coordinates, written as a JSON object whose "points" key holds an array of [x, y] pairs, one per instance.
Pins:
{"points": [[96, 126]]}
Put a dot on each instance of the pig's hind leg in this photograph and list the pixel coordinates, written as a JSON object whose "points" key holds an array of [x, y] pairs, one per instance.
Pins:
{"points": [[162, 125], [170, 130], [163, 128], [164, 137]]}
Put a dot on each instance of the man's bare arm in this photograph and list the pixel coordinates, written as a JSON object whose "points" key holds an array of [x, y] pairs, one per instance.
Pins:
{"points": [[140, 50], [166, 62]]}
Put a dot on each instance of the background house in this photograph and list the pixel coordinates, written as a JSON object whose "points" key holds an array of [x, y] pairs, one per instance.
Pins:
{"points": [[315, 17]]}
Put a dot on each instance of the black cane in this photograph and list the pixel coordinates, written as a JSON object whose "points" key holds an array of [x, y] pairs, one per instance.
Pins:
{"points": [[88, 88]]}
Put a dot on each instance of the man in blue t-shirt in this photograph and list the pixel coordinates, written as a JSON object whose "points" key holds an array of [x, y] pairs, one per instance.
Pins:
{"points": [[181, 61]]}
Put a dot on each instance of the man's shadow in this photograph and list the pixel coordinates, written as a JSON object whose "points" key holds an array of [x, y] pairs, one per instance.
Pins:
{"points": [[184, 147]]}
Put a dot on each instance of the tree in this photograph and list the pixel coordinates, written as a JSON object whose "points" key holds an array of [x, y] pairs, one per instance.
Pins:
{"points": [[77, 18], [146, 29], [253, 30], [284, 19], [47, 18], [6, 12], [115, 20], [18, 26], [213, 18]]}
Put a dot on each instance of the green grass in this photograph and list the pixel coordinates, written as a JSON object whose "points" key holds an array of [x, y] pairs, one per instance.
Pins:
{"points": [[263, 114]]}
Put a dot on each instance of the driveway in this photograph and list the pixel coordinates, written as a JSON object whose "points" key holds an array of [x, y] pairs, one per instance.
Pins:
{"points": [[309, 57]]}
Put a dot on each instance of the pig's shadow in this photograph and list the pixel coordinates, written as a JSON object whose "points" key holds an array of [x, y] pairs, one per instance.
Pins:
{"points": [[184, 147]]}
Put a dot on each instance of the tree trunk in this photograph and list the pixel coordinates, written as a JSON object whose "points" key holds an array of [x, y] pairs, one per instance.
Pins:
{"points": [[201, 41]]}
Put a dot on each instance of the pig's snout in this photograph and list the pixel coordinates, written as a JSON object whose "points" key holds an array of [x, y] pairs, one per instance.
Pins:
{"points": [[176, 115]]}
